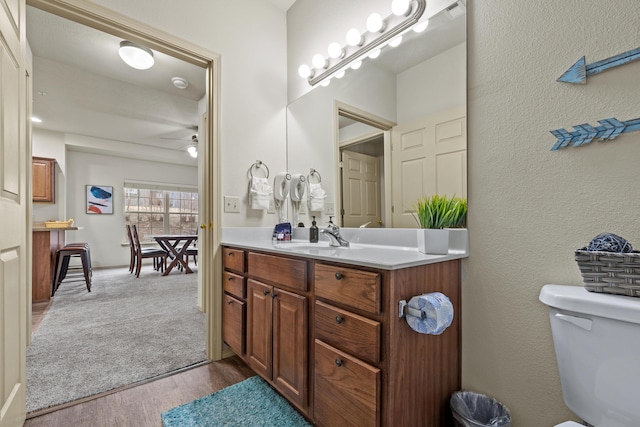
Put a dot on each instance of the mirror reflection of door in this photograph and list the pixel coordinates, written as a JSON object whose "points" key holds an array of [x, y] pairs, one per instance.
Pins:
{"points": [[362, 183], [429, 157]]}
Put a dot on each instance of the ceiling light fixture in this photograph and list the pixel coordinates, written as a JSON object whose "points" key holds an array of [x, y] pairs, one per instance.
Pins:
{"points": [[136, 56], [192, 149], [380, 32], [179, 82]]}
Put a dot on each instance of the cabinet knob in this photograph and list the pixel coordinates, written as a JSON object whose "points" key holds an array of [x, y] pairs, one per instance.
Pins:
{"points": [[339, 319], [265, 293], [230, 253], [339, 275], [338, 362], [230, 302], [229, 278]]}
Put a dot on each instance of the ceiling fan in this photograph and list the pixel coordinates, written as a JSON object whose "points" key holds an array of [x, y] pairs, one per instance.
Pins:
{"points": [[192, 147]]}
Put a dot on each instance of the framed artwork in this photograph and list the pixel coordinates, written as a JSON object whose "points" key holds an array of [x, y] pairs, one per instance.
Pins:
{"points": [[99, 199]]}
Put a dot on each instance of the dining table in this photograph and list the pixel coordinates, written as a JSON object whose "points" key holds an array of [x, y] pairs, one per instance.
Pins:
{"points": [[176, 246]]}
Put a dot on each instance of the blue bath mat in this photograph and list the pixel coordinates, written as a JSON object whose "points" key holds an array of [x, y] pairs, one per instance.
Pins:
{"points": [[250, 403]]}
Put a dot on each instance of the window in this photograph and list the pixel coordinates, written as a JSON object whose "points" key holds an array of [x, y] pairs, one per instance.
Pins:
{"points": [[160, 209]]}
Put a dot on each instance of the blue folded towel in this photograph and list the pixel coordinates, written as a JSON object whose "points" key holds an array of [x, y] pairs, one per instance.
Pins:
{"points": [[438, 310]]}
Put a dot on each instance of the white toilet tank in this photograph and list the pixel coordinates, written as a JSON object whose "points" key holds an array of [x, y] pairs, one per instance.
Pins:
{"points": [[597, 342]]}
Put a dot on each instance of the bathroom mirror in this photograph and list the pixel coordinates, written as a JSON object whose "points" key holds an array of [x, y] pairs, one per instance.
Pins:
{"points": [[410, 93]]}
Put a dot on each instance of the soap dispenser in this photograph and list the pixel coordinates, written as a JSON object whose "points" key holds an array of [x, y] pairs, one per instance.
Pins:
{"points": [[313, 231]]}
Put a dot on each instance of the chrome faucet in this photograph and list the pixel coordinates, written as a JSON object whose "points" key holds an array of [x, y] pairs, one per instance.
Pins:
{"points": [[333, 233]]}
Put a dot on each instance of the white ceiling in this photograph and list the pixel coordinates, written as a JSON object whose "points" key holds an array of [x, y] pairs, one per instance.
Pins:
{"points": [[81, 86]]}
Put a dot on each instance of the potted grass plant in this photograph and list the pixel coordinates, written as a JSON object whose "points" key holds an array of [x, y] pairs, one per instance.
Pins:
{"points": [[437, 216]]}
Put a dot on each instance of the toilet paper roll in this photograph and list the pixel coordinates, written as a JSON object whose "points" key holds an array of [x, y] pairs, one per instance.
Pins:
{"points": [[438, 310]]}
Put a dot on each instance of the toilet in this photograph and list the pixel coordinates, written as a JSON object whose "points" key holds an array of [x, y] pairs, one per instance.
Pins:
{"points": [[597, 342]]}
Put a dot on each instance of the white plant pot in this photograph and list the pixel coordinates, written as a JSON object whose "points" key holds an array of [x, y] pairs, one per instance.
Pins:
{"points": [[433, 241]]}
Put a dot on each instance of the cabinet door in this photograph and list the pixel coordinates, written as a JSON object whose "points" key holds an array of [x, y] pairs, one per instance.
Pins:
{"points": [[233, 323], [259, 337], [290, 345], [43, 179]]}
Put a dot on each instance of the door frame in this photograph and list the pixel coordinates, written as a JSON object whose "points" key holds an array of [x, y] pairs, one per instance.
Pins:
{"points": [[113, 23], [362, 116]]}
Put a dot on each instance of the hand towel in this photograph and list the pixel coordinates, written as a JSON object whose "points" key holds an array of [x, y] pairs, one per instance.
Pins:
{"points": [[260, 193], [438, 310], [316, 197]]}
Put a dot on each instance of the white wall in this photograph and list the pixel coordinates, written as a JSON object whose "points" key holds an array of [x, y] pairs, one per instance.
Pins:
{"points": [[250, 36], [106, 233], [530, 208]]}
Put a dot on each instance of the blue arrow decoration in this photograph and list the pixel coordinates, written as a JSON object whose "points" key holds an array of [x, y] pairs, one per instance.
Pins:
{"points": [[585, 133], [579, 71]]}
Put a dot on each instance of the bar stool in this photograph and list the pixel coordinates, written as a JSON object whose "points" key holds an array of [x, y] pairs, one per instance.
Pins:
{"points": [[63, 257]]}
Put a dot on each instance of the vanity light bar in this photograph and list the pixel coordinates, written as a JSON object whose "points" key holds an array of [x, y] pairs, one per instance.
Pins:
{"points": [[393, 26]]}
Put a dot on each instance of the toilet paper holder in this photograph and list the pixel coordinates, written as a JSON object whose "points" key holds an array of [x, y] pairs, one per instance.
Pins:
{"points": [[404, 309]]}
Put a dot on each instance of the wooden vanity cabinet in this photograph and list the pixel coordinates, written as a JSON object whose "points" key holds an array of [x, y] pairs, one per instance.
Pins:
{"points": [[234, 301], [277, 324], [43, 182], [328, 337]]}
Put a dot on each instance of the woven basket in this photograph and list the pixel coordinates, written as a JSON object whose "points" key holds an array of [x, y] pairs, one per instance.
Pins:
{"points": [[610, 272], [58, 224]]}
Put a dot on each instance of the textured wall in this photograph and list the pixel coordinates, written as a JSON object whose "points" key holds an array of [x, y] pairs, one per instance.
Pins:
{"points": [[529, 208]]}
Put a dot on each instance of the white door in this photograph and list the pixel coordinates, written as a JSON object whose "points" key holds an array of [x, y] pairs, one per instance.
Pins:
{"points": [[14, 199], [429, 156], [361, 190]]}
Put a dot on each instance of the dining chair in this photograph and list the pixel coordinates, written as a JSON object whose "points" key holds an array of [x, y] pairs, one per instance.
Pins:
{"points": [[132, 250], [158, 255]]}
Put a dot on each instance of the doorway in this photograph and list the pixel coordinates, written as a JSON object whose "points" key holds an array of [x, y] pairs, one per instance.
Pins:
{"points": [[209, 210]]}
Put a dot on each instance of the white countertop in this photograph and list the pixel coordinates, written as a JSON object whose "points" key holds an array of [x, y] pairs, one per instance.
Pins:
{"points": [[385, 248]]}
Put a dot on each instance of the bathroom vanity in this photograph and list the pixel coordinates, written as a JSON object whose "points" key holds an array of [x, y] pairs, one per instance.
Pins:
{"points": [[321, 325]]}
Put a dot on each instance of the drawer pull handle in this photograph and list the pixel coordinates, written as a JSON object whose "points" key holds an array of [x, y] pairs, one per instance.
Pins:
{"points": [[338, 362], [230, 254], [339, 319], [230, 302], [266, 293], [230, 278], [339, 275]]}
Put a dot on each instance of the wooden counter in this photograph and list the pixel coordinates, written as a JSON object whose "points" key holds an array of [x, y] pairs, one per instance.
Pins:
{"points": [[46, 241]]}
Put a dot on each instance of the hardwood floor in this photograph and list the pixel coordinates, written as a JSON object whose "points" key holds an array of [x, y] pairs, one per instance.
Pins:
{"points": [[38, 311], [141, 406]]}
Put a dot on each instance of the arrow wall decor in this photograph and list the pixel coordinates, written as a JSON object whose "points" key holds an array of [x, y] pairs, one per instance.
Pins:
{"points": [[579, 71], [585, 133]]}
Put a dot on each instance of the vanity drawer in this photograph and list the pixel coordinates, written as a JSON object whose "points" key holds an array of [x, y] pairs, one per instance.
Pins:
{"points": [[234, 285], [347, 390], [234, 323], [355, 288], [349, 331], [233, 259], [283, 271]]}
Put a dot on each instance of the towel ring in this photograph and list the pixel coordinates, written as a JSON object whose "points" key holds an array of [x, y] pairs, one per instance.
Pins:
{"points": [[258, 164], [313, 172]]}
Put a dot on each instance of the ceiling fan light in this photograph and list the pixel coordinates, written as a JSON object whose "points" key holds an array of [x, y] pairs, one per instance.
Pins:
{"points": [[193, 151], [136, 56]]}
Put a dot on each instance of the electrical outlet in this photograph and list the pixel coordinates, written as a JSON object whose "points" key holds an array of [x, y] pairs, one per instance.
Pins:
{"points": [[232, 204], [272, 207], [329, 209]]}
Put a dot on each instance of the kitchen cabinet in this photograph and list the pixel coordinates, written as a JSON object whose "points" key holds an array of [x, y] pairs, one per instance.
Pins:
{"points": [[43, 182], [328, 336]]}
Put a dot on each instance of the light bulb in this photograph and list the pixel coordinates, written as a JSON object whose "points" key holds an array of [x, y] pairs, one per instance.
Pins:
{"points": [[396, 42], [356, 65], [318, 61], [335, 50], [304, 71], [354, 38], [375, 23], [193, 151], [340, 74], [374, 53], [400, 7], [420, 27], [325, 83]]}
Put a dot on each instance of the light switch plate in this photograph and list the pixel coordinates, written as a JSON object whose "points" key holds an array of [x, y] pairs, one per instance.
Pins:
{"points": [[329, 209], [232, 204]]}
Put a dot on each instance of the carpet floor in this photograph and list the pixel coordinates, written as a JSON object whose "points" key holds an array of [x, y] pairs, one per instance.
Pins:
{"points": [[124, 331], [250, 403]]}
